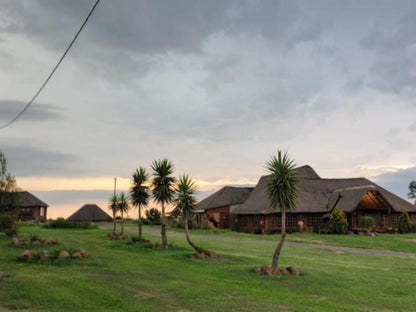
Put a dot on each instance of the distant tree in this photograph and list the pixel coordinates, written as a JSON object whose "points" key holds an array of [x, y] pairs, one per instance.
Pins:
{"points": [[412, 190], [153, 216], [338, 223], [405, 223], [139, 193], [282, 190], [113, 206], [185, 201], [8, 187], [163, 189], [123, 206]]}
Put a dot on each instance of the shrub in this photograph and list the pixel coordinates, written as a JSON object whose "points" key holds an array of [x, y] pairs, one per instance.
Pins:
{"points": [[153, 216], [338, 223], [7, 225], [414, 227], [61, 223], [405, 223], [367, 222]]}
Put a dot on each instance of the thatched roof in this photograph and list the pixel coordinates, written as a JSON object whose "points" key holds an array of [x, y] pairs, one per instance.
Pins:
{"points": [[89, 212], [28, 200], [319, 195], [226, 196]]}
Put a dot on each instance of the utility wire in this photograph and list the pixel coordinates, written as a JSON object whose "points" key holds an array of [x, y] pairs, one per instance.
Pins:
{"points": [[54, 69]]}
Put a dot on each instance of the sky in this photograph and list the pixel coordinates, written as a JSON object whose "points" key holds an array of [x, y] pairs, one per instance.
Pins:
{"points": [[217, 87]]}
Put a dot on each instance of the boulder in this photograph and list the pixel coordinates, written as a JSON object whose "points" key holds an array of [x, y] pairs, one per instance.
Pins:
{"points": [[265, 269], [54, 241], [15, 240], [76, 254], [293, 270], [63, 254], [282, 271], [45, 257], [47, 242], [210, 253], [26, 255], [36, 243], [200, 255]]}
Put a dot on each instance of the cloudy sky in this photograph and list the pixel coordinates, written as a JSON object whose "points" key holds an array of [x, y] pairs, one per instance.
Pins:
{"points": [[215, 86]]}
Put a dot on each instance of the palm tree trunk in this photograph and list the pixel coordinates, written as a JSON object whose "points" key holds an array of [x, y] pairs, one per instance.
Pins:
{"points": [[140, 222], [122, 223], [164, 238], [197, 249], [276, 255], [114, 222]]}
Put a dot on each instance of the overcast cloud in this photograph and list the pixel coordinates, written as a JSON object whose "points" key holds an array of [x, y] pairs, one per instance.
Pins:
{"points": [[216, 86]]}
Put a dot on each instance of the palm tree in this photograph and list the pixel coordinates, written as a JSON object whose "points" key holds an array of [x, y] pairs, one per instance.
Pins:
{"points": [[113, 206], [123, 206], [185, 203], [139, 193], [282, 192], [163, 189]]}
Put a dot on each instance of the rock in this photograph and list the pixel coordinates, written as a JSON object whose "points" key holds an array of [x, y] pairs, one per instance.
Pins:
{"points": [[24, 243], [84, 254], [45, 257], [350, 233], [54, 241], [77, 254], [361, 233], [26, 255], [36, 243], [265, 269], [15, 240], [293, 270], [372, 234], [47, 242], [63, 254], [283, 272], [210, 253], [257, 270], [200, 255]]}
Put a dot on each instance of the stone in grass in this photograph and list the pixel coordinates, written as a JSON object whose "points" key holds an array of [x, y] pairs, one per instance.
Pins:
{"points": [[44, 256], [200, 255], [26, 256], [76, 254], [15, 240], [210, 253], [293, 270], [36, 243], [63, 254], [82, 252]]}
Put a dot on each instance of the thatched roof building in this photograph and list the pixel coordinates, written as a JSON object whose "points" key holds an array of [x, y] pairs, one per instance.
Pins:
{"points": [[226, 196], [317, 196], [90, 212], [28, 200], [215, 210], [320, 195], [29, 207]]}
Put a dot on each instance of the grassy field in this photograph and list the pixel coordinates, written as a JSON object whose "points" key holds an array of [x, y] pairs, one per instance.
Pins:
{"points": [[121, 277], [398, 242]]}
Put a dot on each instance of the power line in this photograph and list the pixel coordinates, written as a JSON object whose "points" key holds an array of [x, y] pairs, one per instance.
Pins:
{"points": [[53, 71]]}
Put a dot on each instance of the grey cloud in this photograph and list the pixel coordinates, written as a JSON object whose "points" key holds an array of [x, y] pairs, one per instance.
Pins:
{"points": [[394, 68], [64, 197], [412, 127], [34, 161], [397, 182], [36, 112]]}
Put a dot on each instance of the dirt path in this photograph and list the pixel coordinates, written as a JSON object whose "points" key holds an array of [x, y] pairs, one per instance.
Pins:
{"points": [[262, 241]]}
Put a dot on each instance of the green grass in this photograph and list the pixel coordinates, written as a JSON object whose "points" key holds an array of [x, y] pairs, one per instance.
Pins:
{"points": [[121, 277], [394, 242]]}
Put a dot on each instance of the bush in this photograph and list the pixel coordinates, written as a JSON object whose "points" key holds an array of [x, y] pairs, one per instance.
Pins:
{"points": [[61, 223], [367, 222], [414, 227], [153, 216], [7, 225], [338, 223], [405, 223]]}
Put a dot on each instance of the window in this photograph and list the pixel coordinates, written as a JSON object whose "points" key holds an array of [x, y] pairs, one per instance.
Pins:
{"points": [[42, 211]]}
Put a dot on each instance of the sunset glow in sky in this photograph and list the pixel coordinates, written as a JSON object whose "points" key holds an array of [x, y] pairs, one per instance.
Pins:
{"points": [[214, 86]]}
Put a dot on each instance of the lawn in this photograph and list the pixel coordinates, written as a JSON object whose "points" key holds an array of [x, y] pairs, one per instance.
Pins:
{"points": [[121, 277]]}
